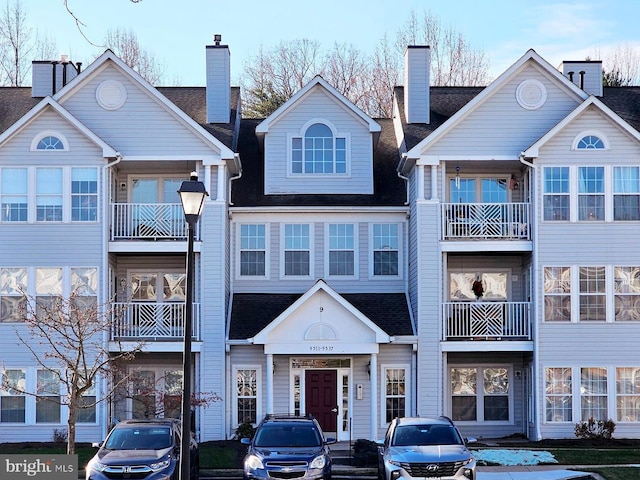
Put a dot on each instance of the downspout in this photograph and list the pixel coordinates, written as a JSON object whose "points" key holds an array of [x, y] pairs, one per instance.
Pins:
{"points": [[406, 179], [105, 264], [536, 296], [236, 156]]}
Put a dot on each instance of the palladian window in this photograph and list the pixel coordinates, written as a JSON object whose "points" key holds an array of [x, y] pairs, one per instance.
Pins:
{"points": [[318, 151]]}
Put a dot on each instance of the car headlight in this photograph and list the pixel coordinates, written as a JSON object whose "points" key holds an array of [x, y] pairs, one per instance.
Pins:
{"points": [[97, 466], [318, 462], [253, 463], [395, 463], [161, 465]]}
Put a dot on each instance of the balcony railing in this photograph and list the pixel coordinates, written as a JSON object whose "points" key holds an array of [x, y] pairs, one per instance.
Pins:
{"points": [[485, 220], [487, 321], [152, 321], [148, 221]]}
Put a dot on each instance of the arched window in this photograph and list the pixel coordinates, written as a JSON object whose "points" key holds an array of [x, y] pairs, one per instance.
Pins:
{"points": [[49, 140], [590, 142], [318, 151], [50, 143]]}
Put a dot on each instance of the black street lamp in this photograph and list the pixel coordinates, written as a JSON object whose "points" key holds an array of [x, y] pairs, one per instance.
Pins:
{"points": [[192, 194]]}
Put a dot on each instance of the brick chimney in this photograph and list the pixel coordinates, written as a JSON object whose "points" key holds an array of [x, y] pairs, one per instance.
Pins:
{"points": [[417, 60], [218, 82]]}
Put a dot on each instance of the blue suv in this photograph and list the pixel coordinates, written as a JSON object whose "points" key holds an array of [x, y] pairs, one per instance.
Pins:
{"points": [[288, 447]]}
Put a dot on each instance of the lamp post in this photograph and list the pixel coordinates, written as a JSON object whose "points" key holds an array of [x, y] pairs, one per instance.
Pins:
{"points": [[192, 194]]}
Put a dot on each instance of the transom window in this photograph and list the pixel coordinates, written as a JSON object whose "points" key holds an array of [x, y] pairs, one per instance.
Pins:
{"points": [[319, 151]]}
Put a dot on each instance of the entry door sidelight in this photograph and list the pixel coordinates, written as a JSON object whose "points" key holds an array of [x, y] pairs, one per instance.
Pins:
{"points": [[321, 397]]}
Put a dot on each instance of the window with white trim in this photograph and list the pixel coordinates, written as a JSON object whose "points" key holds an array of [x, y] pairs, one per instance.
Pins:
{"points": [[626, 288], [49, 194], [156, 392], [12, 396], [626, 193], [556, 193], [592, 293], [253, 250], [558, 394], [628, 394], [50, 143], [14, 194], [48, 291], [591, 193], [84, 195], [247, 395], [590, 142], [49, 140], [87, 404], [395, 397], [341, 249], [47, 396], [319, 151], [593, 393], [487, 401], [13, 290], [557, 294], [297, 252], [385, 249]]}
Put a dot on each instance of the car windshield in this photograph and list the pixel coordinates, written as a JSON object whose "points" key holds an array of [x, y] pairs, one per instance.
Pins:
{"points": [[406, 435], [139, 438], [287, 436]]}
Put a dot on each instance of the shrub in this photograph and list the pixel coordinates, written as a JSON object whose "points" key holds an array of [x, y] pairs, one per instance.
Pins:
{"points": [[245, 430], [595, 429], [365, 453], [60, 435]]}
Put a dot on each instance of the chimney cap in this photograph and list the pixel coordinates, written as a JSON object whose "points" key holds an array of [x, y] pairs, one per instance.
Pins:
{"points": [[217, 38]]}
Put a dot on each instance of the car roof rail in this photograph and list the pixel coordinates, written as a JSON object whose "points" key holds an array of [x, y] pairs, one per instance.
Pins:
{"points": [[446, 419], [271, 416]]}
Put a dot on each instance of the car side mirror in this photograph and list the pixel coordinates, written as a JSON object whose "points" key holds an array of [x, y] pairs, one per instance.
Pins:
{"points": [[330, 440], [470, 440], [245, 441], [96, 444]]}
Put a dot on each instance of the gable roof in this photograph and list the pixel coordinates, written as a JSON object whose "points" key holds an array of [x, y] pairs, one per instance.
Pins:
{"points": [[533, 150], [109, 57], [107, 150], [253, 312], [317, 81], [463, 112]]}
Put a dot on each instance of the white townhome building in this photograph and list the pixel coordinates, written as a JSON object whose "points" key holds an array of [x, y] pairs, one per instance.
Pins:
{"points": [[473, 256]]}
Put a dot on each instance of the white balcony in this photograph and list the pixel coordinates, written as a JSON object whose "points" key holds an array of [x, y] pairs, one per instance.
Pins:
{"points": [[486, 321], [152, 321], [148, 221], [500, 221]]}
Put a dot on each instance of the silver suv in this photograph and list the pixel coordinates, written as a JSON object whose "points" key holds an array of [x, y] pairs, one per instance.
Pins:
{"points": [[425, 448]]}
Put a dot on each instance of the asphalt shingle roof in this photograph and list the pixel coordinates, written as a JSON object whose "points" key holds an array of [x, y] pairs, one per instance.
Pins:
{"points": [[251, 312]]}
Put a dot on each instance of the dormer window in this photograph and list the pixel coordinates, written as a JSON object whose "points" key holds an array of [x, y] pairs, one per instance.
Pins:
{"points": [[319, 151], [49, 141]]}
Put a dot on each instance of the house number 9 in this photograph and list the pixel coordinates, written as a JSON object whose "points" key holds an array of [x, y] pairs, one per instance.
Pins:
{"points": [[321, 309]]}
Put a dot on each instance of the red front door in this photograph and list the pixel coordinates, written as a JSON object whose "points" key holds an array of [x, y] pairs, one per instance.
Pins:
{"points": [[320, 394]]}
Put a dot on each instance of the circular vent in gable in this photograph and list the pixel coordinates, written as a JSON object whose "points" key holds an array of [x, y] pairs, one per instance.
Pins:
{"points": [[531, 94], [111, 95]]}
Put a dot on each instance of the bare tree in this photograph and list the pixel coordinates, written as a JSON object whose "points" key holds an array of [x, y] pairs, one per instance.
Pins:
{"points": [[273, 76], [622, 66], [384, 76], [453, 60], [65, 336], [125, 44], [16, 44]]}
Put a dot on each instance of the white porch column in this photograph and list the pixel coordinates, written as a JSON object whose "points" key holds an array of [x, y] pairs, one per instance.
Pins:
{"points": [[269, 406], [434, 183], [221, 182], [420, 183], [373, 386]]}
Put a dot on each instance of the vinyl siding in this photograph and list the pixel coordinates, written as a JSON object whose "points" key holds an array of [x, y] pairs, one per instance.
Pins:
{"points": [[319, 105], [500, 126], [142, 126]]}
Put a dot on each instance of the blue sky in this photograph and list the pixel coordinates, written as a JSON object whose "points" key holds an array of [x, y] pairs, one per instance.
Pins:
{"points": [[177, 31]]}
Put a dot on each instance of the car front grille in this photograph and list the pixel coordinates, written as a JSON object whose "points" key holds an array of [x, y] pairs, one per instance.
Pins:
{"points": [[133, 472], [428, 470], [284, 470]]}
